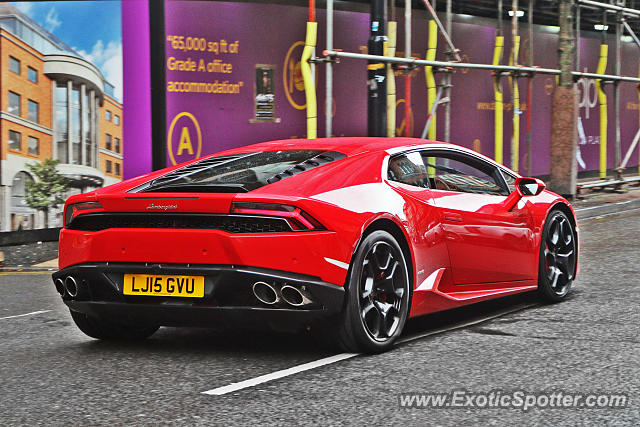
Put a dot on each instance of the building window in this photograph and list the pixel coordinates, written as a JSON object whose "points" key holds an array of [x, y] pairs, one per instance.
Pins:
{"points": [[117, 145], [34, 146], [108, 115], [108, 142], [14, 65], [32, 74], [14, 103], [15, 140], [34, 111], [118, 169], [108, 166], [116, 120]]}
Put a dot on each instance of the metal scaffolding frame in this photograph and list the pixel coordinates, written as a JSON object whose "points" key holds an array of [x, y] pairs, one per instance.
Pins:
{"points": [[619, 11]]}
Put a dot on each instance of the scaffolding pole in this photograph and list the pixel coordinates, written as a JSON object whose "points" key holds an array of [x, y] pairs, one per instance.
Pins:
{"points": [[444, 32], [529, 86], [616, 90], [328, 107], [515, 90], [407, 77], [498, 114], [504, 69], [612, 8], [447, 81]]}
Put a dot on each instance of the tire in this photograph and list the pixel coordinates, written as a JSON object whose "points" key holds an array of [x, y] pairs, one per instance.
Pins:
{"points": [[558, 256], [377, 296], [104, 330]]}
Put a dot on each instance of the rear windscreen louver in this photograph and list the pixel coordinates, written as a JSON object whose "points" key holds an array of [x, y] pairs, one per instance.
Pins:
{"points": [[240, 173], [314, 162]]}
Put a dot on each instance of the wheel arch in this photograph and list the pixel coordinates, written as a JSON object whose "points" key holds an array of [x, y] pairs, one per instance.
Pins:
{"points": [[390, 226], [565, 208]]}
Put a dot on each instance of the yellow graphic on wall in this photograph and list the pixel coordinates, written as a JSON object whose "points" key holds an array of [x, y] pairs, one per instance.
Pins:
{"points": [[292, 74], [189, 128], [400, 131]]}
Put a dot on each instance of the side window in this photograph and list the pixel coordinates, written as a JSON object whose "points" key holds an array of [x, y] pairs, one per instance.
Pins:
{"points": [[453, 171], [510, 180], [408, 169]]}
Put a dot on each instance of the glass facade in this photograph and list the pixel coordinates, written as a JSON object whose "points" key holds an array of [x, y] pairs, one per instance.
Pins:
{"points": [[61, 122], [19, 189], [33, 38], [76, 118], [86, 130], [74, 125]]}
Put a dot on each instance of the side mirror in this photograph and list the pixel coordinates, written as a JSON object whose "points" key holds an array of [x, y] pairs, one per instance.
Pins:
{"points": [[529, 186], [525, 187]]}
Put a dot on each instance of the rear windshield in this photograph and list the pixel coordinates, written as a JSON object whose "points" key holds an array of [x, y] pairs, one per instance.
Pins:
{"points": [[243, 172]]}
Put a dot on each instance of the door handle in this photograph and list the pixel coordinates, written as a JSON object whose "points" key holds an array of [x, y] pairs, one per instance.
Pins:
{"points": [[452, 217]]}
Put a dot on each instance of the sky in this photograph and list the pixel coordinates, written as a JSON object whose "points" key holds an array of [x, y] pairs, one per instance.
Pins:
{"points": [[91, 28]]}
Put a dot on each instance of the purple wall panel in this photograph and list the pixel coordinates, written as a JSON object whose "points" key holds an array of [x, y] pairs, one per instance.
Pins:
{"points": [[136, 86], [272, 35]]}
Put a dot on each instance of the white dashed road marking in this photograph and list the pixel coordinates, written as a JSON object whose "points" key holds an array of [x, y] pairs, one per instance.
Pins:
{"points": [[279, 374], [344, 356], [26, 314]]}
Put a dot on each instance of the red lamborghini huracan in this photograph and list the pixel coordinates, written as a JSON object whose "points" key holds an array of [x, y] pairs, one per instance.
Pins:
{"points": [[356, 233]]}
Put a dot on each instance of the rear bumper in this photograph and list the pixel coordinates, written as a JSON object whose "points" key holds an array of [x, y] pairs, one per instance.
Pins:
{"points": [[228, 297], [304, 252]]}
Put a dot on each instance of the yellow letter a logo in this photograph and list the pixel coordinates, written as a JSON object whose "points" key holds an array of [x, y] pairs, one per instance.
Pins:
{"points": [[185, 142]]}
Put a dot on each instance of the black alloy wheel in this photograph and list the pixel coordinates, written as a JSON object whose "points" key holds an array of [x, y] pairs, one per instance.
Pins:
{"points": [[558, 256], [377, 296]]}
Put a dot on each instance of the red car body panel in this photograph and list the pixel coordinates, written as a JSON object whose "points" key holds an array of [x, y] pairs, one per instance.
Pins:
{"points": [[464, 247]]}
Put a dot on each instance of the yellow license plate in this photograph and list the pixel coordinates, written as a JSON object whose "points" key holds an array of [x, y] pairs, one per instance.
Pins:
{"points": [[164, 285]]}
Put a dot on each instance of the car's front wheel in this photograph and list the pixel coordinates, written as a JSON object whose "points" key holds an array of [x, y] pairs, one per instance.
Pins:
{"points": [[378, 293], [558, 257], [104, 330]]}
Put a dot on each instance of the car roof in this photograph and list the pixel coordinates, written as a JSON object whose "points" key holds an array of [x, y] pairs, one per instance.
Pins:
{"points": [[347, 145], [352, 146]]}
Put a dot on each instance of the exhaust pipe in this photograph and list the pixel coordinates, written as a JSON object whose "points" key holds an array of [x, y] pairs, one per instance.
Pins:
{"points": [[59, 286], [294, 296], [71, 286], [266, 293]]}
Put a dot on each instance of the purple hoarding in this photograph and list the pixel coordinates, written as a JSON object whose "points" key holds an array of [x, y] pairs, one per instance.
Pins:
{"points": [[216, 52], [136, 87]]}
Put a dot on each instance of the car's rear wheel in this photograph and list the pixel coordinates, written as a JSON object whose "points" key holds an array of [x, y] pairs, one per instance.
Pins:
{"points": [[378, 293], [104, 330], [558, 256]]}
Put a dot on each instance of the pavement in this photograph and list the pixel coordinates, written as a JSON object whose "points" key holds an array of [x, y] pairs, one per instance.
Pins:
{"points": [[54, 375], [607, 203]]}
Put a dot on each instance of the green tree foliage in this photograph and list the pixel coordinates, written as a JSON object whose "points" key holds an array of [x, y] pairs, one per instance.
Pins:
{"points": [[47, 190]]}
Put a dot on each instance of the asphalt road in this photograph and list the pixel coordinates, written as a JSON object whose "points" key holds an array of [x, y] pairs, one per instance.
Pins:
{"points": [[51, 374]]}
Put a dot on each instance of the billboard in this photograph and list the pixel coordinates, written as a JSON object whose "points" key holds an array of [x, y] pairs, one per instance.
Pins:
{"points": [[232, 76]]}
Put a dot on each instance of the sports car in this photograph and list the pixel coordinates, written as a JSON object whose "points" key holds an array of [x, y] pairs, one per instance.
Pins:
{"points": [[350, 236]]}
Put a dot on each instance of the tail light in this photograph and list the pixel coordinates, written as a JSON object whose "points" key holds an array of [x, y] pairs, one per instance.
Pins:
{"points": [[77, 208], [298, 219]]}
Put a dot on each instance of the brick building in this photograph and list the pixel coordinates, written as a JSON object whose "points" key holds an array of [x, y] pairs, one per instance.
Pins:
{"points": [[53, 103]]}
